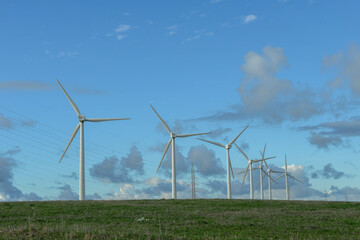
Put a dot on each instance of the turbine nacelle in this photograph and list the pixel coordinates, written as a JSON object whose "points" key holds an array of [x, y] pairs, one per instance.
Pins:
{"points": [[228, 146], [82, 118], [173, 135]]}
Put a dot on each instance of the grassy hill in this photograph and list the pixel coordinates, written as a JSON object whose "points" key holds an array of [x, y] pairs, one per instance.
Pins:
{"points": [[180, 219]]}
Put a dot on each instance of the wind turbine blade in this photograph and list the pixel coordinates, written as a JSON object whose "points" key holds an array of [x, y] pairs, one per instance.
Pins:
{"points": [[232, 171], [268, 176], [231, 143], [215, 143], [246, 171], [163, 122], [264, 151], [267, 167], [71, 139], [295, 179], [260, 160], [285, 163], [162, 158], [104, 119], [190, 135], [71, 101], [280, 176], [242, 152]]}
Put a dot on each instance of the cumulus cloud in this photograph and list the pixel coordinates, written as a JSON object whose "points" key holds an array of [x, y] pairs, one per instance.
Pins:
{"points": [[328, 172], [329, 134], [250, 18], [267, 97], [113, 170], [323, 142], [346, 193], [126, 191], [205, 161], [347, 67], [66, 193], [8, 191], [110, 170], [182, 163], [134, 160], [162, 187]]}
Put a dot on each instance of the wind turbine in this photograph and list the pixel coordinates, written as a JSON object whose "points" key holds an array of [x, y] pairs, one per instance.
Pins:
{"points": [[261, 171], [80, 125], [172, 140], [261, 167], [269, 171], [227, 147], [286, 174], [249, 168]]}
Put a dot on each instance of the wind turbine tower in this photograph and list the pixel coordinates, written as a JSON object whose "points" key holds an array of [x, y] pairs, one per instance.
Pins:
{"points": [[286, 174], [80, 125], [249, 169], [173, 135], [193, 181], [229, 167]]}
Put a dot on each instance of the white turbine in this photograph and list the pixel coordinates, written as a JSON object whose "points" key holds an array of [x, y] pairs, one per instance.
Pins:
{"points": [[229, 167], [249, 169], [172, 140], [269, 171], [80, 125], [286, 174], [261, 168]]}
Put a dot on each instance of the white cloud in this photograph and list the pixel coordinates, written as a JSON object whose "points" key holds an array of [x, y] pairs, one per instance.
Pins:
{"points": [[172, 29], [347, 66], [67, 54], [155, 181], [250, 18], [121, 37], [2, 198], [123, 28], [192, 38]]}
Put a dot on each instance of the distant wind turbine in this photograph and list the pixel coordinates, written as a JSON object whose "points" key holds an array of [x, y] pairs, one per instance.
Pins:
{"points": [[229, 167], [249, 169], [80, 125], [269, 171], [172, 140], [261, 167], [286, 174]]}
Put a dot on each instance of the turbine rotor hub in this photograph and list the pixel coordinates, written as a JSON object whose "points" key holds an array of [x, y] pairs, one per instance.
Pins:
{"points": [[82, 118], [173, 135], [228, 146]]}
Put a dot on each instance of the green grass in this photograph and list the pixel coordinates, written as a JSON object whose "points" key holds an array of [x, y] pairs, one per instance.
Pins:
{"points": [[180, 219]]}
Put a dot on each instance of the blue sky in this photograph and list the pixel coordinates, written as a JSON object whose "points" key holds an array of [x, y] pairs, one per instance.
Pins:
{"points": [[290, 69]]}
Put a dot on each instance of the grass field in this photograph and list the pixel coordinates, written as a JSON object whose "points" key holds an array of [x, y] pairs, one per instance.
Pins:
{"points": [[180, 219]]}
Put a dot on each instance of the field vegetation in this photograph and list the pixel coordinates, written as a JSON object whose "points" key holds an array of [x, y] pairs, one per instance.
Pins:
{"points": [[180, 219]]}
